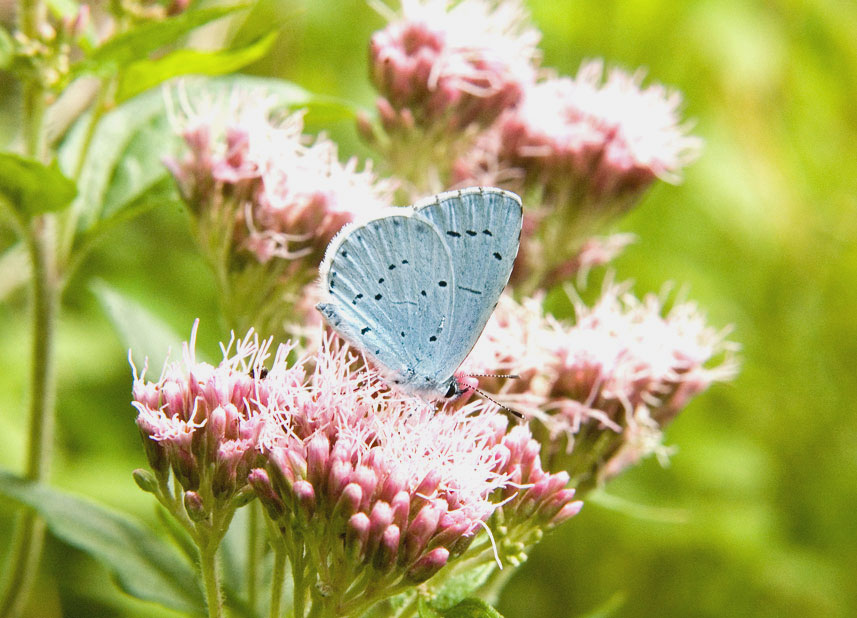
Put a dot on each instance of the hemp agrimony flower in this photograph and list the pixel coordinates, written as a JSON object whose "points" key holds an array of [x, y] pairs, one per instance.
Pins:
{"points": [[601, 391], [372, 492], [444, 71], [581, 151], [265, 199]]}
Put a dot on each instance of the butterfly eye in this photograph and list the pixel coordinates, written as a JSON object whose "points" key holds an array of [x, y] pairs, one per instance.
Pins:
{"points": [[452, 391]]}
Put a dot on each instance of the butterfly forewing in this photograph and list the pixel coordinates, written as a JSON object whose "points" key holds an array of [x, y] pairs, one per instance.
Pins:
{"points": [[482, 229], [389, 290]]}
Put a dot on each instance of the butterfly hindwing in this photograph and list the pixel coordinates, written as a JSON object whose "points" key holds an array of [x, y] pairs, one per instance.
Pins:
{"points": [[388, 289], [481, 228]]}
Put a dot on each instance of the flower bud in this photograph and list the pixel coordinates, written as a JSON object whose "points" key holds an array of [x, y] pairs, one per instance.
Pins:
{"points": [[145, 481], [428, 565], [194, 506]]}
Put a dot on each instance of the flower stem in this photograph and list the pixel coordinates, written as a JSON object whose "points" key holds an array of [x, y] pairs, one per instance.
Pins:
{"points": [[253, 556], [299, 600], [26, 547], [277, 578], [211, 579]]}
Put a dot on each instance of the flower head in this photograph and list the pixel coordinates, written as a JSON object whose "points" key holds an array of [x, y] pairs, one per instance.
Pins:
{"points": [[357, 474], [625, 369], [285, 194], [607, 138], [265, 199], [452, 64], [201, 422]]}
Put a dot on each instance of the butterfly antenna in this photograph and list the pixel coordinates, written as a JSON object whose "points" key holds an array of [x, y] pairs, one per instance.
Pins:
{"points": [[513, 376], [498, 404]]}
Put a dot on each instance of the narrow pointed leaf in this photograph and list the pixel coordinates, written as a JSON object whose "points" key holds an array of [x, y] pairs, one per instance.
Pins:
{"points": [[144, 565], [138, 328], [138, 43], [145, 74]]}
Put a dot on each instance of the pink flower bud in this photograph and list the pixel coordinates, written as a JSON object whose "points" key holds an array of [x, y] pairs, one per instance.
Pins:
{"points": [[420, 530], [568, 511], [385, 556], [428, 565], [428, 486], [261, 484], [305, 495], [338, 477], [401, 507], [318, 451], [380, 517], [356, 535], [194, 506], [349, 501], [366, 478]]}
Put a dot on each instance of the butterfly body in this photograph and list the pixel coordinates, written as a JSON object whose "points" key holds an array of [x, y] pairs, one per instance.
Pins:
{"points": [[414, 287]]}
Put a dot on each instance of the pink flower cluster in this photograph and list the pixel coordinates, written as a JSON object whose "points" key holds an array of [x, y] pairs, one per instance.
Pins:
{"points": [[202, 423], [249, 169], [450, 65], [625, 368], [596, 140], [357, 478], [357, 474]]}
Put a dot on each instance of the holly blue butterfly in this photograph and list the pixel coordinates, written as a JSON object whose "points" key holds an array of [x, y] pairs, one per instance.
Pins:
{"points": [[414, 287]]}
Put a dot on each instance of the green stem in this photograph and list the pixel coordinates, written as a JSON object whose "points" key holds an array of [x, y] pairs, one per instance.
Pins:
{"points": [[253, 557], [211, 579], [277, 578], [27, 545], [299, 596]]}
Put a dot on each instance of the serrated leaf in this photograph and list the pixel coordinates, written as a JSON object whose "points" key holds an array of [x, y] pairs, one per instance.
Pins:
{"points": [[143, 564], [139, 329], [145, 74], [131, 46], [33, 188]]}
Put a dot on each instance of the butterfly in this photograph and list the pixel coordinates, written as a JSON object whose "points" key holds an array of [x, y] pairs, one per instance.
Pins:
{"points": [[413, 288]]}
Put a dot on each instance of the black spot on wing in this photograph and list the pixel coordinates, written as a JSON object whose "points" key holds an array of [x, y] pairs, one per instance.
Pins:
{"points": [[497, 256], [378, 297], [364, 330], [442, 283], [453, 234]]}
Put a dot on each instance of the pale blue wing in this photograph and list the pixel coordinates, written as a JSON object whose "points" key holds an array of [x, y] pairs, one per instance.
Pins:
{"points": [[482, 229], [388, 288]]}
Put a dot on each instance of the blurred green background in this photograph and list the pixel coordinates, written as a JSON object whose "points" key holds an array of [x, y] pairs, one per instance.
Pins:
{"points": [[755, 516]]}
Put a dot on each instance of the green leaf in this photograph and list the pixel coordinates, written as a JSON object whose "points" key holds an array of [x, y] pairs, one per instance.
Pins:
{"points": [[131, 46], [123, 172], [123, 159], [468, 608], [461, 585], [144, 565], [139, 329], [145, 74], [33, 188]]}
